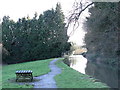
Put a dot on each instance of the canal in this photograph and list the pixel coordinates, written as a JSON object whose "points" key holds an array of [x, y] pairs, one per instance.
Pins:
{"points": [[103, 73]]}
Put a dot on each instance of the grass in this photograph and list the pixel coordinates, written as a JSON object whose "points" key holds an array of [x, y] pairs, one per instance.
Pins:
{"points": [[0, 77], [70, 78], [8, 72]]}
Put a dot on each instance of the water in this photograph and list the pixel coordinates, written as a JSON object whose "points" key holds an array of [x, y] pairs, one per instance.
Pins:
{"points": [[78, 62], [104, 73]]}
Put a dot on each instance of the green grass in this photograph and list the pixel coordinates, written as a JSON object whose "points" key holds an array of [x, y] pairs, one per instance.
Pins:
{"points": [[8, 72], [70, 78], [0, 77]]}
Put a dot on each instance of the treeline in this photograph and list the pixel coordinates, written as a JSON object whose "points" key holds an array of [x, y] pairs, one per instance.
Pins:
{"points": [[43, 36], [103, 33]]}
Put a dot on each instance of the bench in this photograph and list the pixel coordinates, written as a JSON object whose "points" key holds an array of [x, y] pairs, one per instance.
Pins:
{"points": [[24, 74]]}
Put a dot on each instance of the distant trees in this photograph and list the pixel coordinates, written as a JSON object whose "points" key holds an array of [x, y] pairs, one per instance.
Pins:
{"points": [[33, 39]]}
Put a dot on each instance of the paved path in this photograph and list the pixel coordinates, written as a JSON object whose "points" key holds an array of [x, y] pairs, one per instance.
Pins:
{"points": [[47, 80]]}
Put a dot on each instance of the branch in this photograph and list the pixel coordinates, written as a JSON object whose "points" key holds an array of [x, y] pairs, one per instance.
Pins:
{"points": [[84, 9], [73, 18]]}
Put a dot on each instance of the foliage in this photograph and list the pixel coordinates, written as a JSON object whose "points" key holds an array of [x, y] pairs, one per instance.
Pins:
{"points": [[0, 33], [33, 39], [8, 72], [102, 32], [70, 78]]}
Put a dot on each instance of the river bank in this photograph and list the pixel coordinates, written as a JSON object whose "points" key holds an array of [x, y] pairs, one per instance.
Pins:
{"points": [[104, 73], [70, 78]]}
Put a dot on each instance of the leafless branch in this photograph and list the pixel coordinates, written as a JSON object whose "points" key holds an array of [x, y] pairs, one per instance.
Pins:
{"points": [[78, 8]]}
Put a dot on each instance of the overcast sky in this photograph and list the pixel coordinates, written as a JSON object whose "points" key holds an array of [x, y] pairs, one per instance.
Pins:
{"points": [[21, 8]]}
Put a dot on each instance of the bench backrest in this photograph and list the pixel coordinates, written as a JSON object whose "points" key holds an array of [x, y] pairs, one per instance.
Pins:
{"points": [[23, 71]]}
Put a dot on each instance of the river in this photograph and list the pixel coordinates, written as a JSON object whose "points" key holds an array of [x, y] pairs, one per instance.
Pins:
{"points": [[104, 73]]}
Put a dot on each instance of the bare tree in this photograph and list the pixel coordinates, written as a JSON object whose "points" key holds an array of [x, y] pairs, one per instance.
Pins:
{"points": [[78, 8]]}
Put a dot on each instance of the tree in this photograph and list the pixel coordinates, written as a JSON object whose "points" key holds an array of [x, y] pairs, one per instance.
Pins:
{"points": [[34, 39], [102, 33], [75, 14], [0, 33]]}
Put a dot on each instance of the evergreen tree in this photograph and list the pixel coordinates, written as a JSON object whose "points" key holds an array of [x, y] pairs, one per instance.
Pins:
{"points": [[34, 39]]}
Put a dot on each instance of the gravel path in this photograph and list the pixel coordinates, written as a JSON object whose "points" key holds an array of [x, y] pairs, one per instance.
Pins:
{"points": [[47, 80]]}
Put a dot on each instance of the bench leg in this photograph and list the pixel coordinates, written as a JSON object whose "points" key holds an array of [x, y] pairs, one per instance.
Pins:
{"points": [[31, 78], [16, 80]]}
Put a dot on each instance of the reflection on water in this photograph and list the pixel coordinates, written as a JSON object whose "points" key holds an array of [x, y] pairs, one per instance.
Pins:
{"points": [[99, 71], [78, 62]]}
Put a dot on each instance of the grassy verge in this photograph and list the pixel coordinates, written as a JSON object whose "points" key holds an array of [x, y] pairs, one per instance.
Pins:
{"points": [[0, 77], [8, 72], [70, 78]]}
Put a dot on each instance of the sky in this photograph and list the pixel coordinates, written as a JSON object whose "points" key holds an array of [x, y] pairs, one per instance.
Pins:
{"points": [[22, 8]]}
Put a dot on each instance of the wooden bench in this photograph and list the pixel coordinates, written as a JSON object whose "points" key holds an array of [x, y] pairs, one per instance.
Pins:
{"points": [[24, 74]]}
